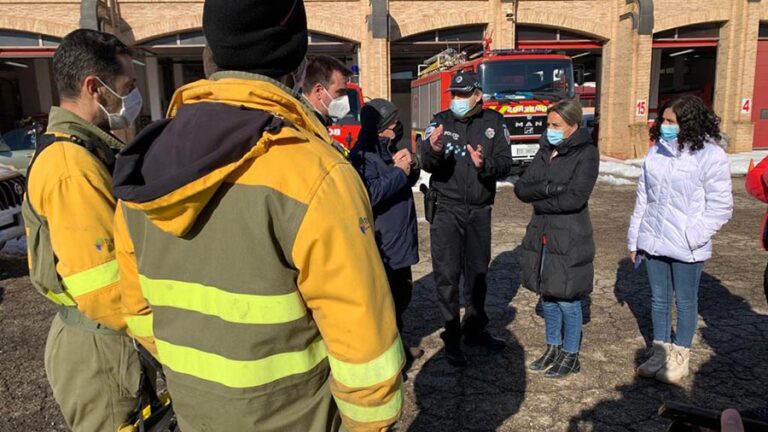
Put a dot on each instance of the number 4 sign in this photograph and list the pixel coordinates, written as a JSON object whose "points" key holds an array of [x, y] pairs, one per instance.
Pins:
{"points": [[641, 108], [746, 106]]}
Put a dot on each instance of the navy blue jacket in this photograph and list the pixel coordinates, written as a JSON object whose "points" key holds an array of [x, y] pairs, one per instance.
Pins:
{"points": [[391, 196]]}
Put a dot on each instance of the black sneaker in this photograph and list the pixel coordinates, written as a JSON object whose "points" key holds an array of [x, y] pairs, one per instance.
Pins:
{"points": [[484, 339], [566, 364], [455, 355]]}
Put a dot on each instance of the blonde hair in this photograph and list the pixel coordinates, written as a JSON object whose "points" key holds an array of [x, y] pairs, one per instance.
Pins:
{"points": [[569, 110]]}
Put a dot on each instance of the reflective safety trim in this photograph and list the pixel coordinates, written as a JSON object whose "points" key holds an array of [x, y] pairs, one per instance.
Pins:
{"points": [[92, 279], [232, 307], [239, 373], [370, 414], [380, 369], [140, 325], [61, 299]]}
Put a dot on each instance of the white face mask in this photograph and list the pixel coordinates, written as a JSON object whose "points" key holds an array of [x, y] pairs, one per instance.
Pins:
{"points": [[338, 107], [129, 111]]}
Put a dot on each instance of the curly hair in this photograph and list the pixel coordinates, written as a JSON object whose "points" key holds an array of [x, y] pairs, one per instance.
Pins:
{"points": [[697, 122]]}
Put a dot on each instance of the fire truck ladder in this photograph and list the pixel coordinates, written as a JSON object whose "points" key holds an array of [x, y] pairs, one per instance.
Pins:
{"points": [[445, 59]]}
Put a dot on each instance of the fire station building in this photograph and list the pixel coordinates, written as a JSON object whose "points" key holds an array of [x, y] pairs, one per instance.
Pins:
{"points": [[634, 54]]}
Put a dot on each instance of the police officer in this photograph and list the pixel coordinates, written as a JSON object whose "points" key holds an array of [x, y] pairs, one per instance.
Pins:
{"points": [[466, 148]]}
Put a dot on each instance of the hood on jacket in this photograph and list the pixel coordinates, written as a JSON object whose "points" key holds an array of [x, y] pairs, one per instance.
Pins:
{"points": [[173, 167], [579, 138]]}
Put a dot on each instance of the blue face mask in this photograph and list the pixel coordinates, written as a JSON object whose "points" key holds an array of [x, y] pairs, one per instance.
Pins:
{"points": [[460, 107], [555, 137], [670, 132]]}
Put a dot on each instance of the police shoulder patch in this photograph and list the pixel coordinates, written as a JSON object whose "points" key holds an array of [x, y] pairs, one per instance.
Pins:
{"points": [[506, 133]]}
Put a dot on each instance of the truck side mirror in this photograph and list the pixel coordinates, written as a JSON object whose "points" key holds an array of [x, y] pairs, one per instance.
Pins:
{"points": [[578, 74]]}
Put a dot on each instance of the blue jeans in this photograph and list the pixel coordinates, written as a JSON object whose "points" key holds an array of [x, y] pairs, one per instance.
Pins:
{"points": [[668, 278], [562, 321]]}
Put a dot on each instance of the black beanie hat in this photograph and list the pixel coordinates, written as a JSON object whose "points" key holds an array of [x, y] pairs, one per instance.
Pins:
{"points": [[387, 110], [267, 37]]}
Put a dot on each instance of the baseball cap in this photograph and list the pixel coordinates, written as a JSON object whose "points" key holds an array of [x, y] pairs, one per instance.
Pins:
{"points": [[464, 82]]}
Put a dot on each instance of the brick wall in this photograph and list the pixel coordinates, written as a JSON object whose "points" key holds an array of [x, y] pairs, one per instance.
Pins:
{"points": [[626, 55]]}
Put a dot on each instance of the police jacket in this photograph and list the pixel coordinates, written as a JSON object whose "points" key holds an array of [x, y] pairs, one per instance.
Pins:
{"points": [[454, 176]]}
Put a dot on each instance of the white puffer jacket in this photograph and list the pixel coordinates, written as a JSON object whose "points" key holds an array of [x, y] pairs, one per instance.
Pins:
{"points": [[683, 199]]}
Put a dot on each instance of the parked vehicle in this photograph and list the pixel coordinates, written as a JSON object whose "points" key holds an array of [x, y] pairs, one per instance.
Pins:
{"points": [[17, 147], [519, 84], [12, 188]]}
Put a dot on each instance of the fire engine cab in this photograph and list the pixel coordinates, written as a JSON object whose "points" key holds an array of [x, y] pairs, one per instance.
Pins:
{"points": [[519, 84], [346, 129]]}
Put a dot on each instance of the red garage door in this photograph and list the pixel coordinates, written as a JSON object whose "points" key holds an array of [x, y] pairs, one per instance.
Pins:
{"points": [[760, 102]]}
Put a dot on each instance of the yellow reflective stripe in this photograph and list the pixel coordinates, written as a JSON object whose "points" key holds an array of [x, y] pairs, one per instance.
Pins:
{"points": [[140, 325], [92, 279], [239, 373], [370, 414], [380, 369], [62, 299], [232, 307]]}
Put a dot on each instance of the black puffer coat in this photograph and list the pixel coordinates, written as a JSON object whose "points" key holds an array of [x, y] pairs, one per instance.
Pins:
{"points": [[559, 190]]}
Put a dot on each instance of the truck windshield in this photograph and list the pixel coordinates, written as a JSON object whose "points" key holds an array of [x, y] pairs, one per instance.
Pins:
{"points": [[527, 79]]}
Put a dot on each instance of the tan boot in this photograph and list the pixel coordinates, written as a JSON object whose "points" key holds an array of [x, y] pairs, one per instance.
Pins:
{"points": [[676, 367], [657, 360]]}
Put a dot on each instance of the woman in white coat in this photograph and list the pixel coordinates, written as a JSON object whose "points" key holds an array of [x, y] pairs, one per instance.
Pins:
{"points": [[684, 197]]}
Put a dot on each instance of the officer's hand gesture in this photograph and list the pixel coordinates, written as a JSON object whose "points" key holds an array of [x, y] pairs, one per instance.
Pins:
{"points": [[476, 155], [436, 140]]}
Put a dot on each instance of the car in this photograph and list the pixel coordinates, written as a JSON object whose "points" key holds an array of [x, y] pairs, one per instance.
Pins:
{"points": [[17, 148], [12, 189]]}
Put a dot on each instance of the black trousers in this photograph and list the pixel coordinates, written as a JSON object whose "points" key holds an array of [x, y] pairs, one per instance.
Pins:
{"points": [[401, 285], [461, 243]]}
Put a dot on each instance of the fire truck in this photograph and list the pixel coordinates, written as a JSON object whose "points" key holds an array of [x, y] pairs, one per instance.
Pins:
{"points": [[519, 84], [346, 129]]}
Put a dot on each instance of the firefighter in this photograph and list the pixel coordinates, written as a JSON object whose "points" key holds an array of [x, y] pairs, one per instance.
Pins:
{"points": [[466, 148], [250, 238], [325, 88], [90, 362]]}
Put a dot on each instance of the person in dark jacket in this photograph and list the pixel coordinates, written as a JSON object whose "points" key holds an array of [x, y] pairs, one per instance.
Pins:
{"points": [[466, 148], [388, 173], [558, 247]]}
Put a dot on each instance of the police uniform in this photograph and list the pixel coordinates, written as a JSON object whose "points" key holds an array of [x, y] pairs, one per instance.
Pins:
{"points": [[461, 229]]}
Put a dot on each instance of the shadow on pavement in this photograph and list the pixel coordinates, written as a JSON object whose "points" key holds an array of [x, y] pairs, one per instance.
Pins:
{"points": [[491, 389], [733, 376]]}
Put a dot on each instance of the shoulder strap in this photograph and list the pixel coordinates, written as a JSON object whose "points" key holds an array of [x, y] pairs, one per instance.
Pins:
{"points": [[48, 139]]}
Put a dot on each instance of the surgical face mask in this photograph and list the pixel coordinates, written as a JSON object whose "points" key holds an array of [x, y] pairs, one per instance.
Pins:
{"points": [[461, 107], [555, 136], [669, 132], [129, 109], [338, 107]]}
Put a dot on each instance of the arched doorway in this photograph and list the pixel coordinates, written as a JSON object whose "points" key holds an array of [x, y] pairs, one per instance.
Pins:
{"points": [[26, 83], [760, 96], [585, 51], [684, 62], [410, 52], [175, 60]]}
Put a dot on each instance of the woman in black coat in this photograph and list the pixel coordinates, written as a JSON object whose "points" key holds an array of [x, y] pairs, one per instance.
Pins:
{"points": [[558, 248]]}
